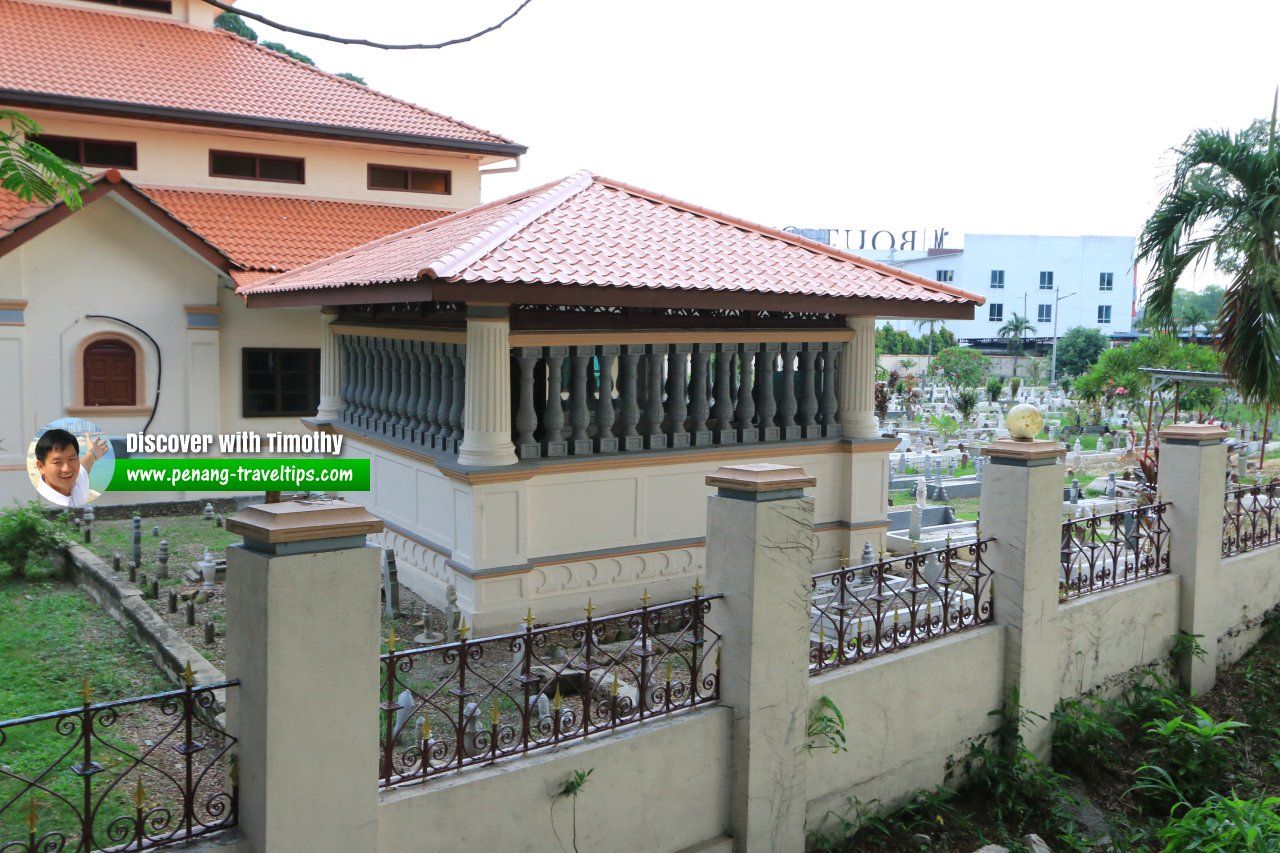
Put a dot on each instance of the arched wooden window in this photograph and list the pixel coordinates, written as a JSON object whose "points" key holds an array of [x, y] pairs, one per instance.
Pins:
{"points": [[110, 374]]}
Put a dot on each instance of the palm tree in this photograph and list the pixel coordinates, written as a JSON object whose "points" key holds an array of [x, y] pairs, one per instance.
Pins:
{"points": [[1012, 331], [1223, 204], [1193, 316], [32, 171]]}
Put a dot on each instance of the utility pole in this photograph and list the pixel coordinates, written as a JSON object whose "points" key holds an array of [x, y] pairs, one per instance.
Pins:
{"points": [[1053, 367]]}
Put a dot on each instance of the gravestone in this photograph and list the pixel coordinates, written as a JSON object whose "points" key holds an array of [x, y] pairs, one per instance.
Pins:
{"points": [[208, 512], [1111, 485], [932, 569], [162, 558], [1075, 491], [471, 727], [155, 531], [1242, 462], [922, 492], [868, 555], [155, 589], [452, 618], [191, 614], [210, 632], [403, 713], [391, 585], [137, 541], [217, 520], [173, 602], [88, 525], [979, 462], [115, 563]]}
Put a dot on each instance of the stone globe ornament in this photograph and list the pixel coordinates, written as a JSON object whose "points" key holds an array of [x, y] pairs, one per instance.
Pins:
{"points": [[1024, 422]]}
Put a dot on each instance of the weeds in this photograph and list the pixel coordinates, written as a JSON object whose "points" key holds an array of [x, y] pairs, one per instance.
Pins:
{"points": [[826, 727], [572, 788]]}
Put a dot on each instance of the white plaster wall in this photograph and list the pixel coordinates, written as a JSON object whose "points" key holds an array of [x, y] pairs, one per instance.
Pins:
{"points": [[908, 716], [660, 787], [1249, 586], [178, 156], [1109, 634]]}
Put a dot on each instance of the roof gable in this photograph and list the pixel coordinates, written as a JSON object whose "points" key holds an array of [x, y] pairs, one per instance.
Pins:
{"points": [[590, 232], [100, 60]]}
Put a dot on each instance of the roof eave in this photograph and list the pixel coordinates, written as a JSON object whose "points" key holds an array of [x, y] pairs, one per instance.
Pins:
{"points": [[429, 290], [200, 117]]}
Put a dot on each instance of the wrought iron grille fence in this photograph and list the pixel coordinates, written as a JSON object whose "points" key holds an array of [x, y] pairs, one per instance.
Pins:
{"points": [[476, 701], [102, 792], [1101, 552], [1251, 518], [858, 612]]}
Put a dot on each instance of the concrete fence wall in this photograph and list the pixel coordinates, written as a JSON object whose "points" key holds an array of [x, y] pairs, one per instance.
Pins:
{"points": [[744, 775]]}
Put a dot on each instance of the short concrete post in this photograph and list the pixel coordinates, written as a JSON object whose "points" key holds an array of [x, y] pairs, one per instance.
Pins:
{"points": [[308, 670], [760, 556], [1193, 464], [1021, 508]]}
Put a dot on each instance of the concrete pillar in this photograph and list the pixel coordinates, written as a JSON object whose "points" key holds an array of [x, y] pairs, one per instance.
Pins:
{"points": [[303, 638], [1193, 468], [1021, 508], [330, 408], [486, 416], [858, 381], [760, 555]]}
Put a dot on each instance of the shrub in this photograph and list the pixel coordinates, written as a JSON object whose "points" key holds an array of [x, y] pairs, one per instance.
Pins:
{"points": [[1227, 825], [994, 386], [966, 402], [26, 532]]}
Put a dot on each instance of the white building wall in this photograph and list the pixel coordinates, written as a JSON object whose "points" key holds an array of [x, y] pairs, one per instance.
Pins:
{"points": [[1076, 263]]}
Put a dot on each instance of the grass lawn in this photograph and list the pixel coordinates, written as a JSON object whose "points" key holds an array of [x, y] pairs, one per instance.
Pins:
{"points": [[52, 636]]}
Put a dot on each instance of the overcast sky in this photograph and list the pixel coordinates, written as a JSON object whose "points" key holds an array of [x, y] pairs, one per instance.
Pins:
{"points": [[1028, 118]]}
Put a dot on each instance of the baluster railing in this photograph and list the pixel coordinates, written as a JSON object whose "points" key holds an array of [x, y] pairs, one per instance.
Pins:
{"points": [[808, 403], [628, 386], [677, 391], [746, 412], [579, 401], [723, 411], [787, 426], [604, 440], [458, 356], [766, 406], [829, 403], [699, 410], [655, 358]]}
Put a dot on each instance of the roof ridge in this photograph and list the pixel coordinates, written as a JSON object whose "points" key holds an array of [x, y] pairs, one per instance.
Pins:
{"points": [[539, 204], [239, 193], [378, 92], [793, 239], [408, 232]]}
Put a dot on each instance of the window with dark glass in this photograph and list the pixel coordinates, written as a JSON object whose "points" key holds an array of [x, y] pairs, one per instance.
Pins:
{"points": [[946, 275], [1106, 281], [100, 153], [1045, 314], [110, 374], [1046, 280], [280, 382], [149, 5], [410, 180], [995, 312], [997, 278], [1104, 313], [256, 167]]}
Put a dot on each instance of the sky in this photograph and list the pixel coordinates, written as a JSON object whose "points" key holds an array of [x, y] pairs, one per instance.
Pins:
{"points": [[980, 117]]}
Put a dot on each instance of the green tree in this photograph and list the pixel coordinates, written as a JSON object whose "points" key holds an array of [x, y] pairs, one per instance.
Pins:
{"points": [[1078, 349], [32, 171], [233, 23], [354, 78], [961, 367], [1118, 368], [292, 54], [1012, 333], [1223, 205]]}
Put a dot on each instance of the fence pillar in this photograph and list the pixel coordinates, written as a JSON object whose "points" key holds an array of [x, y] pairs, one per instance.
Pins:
{"points": [[1021, 508], [760, 555], [303, 638], [1193, 465]]}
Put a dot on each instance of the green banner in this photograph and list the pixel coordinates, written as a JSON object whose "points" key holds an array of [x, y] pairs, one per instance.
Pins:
{"points": [[240, 475]]}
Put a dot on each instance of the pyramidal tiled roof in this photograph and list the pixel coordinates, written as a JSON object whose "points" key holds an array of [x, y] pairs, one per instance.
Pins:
{"points": [[590, 231], [134, 64]]}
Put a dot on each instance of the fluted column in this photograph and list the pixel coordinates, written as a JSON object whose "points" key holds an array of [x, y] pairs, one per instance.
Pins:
{"points": [[330, 408], [486, 413], [858, 381]]}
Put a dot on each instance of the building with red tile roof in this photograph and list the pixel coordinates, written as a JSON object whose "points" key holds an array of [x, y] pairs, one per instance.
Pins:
{"points": [[216, 163]]}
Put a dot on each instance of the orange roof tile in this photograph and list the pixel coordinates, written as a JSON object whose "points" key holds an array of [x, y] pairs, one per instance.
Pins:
{"points": [[263, 235], [126, 63], [277, 233], [596, 232]]}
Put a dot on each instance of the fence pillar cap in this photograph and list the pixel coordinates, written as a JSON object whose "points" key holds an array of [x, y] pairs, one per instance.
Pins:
{"points": [[761, 481], [1009, 451], [301, 526], [1201, 434]]}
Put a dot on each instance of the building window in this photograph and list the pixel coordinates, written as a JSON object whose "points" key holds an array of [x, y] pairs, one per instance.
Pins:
{"points": [[256, 167], [997, 278], [1104, 313], [1045, 315], [110, 373], [1046, 280], [946, 276], [280, 382], [1106, 281], [149, 5], [100, 153], [405, 179], [995, 312]]}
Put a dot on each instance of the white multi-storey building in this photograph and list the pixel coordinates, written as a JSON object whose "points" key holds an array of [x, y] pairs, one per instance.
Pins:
{"points": [[1084, 281]]}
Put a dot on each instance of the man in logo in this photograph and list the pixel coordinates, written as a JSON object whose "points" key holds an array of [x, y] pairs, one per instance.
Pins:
{"points": [[64, 473]]}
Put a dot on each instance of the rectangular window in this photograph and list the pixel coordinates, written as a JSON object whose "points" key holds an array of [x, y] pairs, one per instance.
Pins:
{"points": [[280, 382], [995, 312], [405, 179], [256, 167], [997, 278], [99, 153], [149, 5], [1045, 315], [1106, 281], [946, 275], [1046, 280], [1104, 313]]}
